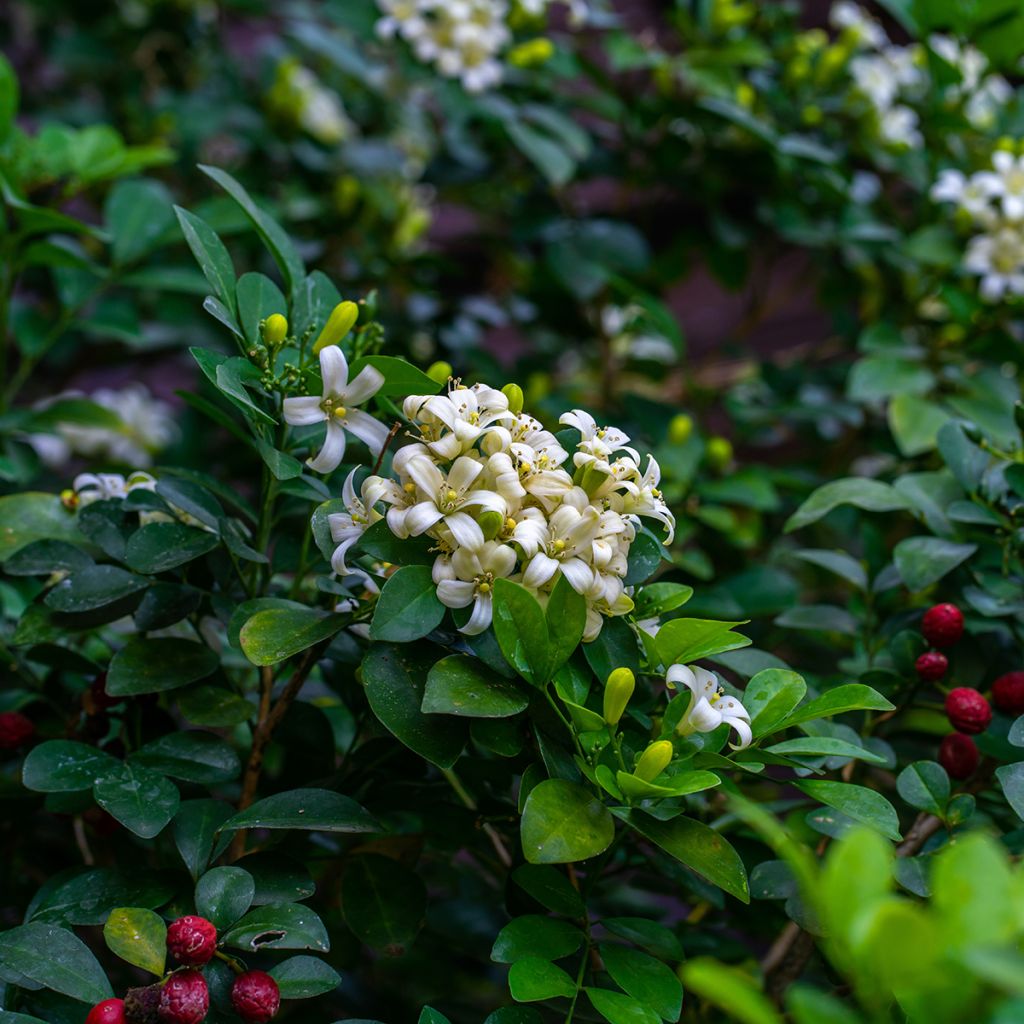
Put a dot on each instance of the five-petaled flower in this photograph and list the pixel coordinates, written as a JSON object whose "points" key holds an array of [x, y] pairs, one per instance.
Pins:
{"points": [[710, 705]]}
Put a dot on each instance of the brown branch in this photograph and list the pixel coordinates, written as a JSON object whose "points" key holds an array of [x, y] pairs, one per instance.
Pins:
{"points": [[392, 434], [270, 715]]}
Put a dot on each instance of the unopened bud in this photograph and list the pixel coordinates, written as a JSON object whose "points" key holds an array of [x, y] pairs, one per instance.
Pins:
{"points": [[440, 372], [719, 452], [653, 761], [342, 319], [617, 692], [531, 53], [275, 329], [514, 394], [680, 427], [490, 524]]}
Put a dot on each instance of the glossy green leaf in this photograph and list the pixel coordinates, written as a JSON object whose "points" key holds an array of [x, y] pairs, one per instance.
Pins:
{"points": [[862, 492], [154, 664], [211, 255], [199, 757], [158, 547], [857, 802], [384, 902], [278, 926], [522, 632], [563, 823], [141, 799], [849, 697], [617, 1008], [681, 641], [274, 634], [94, 587], [924, 785], [55, 958], [533, 935], [137, 936], [314, 810], [65, 766], [533, 979], [460, 685], [224, 894], [304, 977], [407, 608]]}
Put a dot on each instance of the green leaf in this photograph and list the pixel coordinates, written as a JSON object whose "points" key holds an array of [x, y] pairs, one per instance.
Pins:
{"points": [[94, 587], [566, 618], [137, 936], [866, 494], [137, 213], [824, 746], [922, 561], [224, 894], [879, 377], [384, 903], [211, 255], [646, 979], [32, 516], [55, 959], [533, 935], [314, 810], [395, 678], [533, 979], [550, 888], [157, 547], [849, 697], [915, 424], [274, 634], [142, 800], [614, 647], [407, 608], [698, 847], [649, 935], [279, 926], [924, 785], [196, 826], [191, 756], [681, 641], [400, 377], [152, 665], [522, 632], [461, 685], [274, 237], [8, 98], [88, 898], [64, 766], [43, 557], [857, 802], [304, 977], [809, 1005], [839, 562], [563, 823], [731, 990], [214, 706], [658, 598], [617, 1008], [1011, 780], [382, 544], [770, 696]]}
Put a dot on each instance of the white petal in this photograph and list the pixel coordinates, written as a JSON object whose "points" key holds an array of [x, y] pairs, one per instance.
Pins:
{"points": [[372, 432], [743, 731], [421, 518], [539, 571], [455, 593], [702, 716], [366, 384], [463, 472], [333, 370], [481, 617], [333, 450], [578, 573], [303, 411], [465, 530], [338, 558]]}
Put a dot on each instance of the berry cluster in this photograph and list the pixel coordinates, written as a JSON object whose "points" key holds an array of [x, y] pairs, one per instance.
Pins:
{"points": [[183, 996]]}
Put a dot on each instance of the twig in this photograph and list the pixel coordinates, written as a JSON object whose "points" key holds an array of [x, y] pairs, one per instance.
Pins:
{"points": [[82, 841], [270, 716], [490, 831], [392, 434]]}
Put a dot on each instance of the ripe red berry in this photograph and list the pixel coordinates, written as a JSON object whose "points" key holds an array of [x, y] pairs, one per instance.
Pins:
{"points": [[931, 666], [943, 625], [958, 755], [255, 997], [110, 1011], [1008, 693], [15, 730], [967, 710], [184, 998], [191, 940]]}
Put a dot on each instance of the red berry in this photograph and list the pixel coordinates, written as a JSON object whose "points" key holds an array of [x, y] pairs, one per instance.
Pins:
{"points": [[943, 625], [110, 1011], [967, 710], [931, 666], [255, 997], [958, 755], [184, 998], [191, 940], [1008, 693], [15, 730]]}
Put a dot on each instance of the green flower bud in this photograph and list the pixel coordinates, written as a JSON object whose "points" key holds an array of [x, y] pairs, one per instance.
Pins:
{"points": [[275, 329], [653, 761], [514, 394], [617, 691], [342, 319], [719, 452], [490, 523], [680, 427], [440, 372]]}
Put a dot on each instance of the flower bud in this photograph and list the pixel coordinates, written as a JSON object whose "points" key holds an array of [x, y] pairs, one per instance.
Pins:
{"points": [[440, 372], [490, 524], [617, 691], [275, 329], [531, 53], [342, 319], [680, 428], [719, 452], [514, 394], [654, 760]]}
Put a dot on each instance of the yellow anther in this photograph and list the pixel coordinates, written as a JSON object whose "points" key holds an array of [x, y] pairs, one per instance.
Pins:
{"points": [[340, 411], [559, 545], [484, 588], [451, 495]]}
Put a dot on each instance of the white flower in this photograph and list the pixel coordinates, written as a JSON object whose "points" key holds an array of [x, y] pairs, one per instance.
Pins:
{"points": [[983, 105], [452, 423], [347, 527], [471, 581], [710, 706], [853, 17], [898, 127], [90, 487], [336, 408], [876, 78], [597, 444], [998, 259], [970, 195], [1005, 183], [643, 498], [439, 496], [568, 546]]}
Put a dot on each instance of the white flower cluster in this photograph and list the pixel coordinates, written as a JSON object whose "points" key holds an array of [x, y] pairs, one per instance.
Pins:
{"points": [[994, 202], [501, 499], [90, 487], [147, 426], [893, 77]]}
